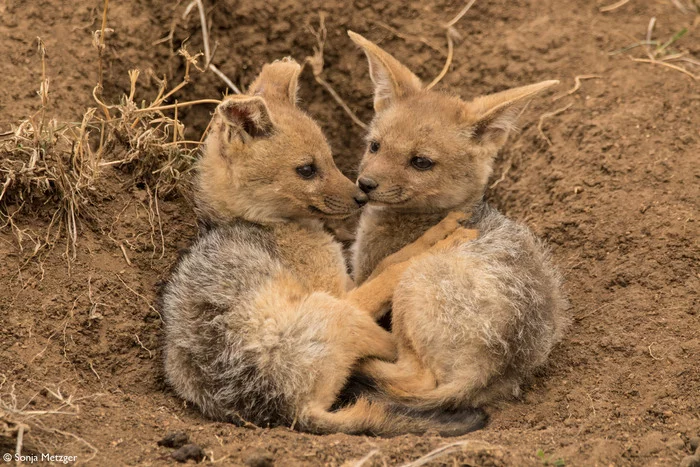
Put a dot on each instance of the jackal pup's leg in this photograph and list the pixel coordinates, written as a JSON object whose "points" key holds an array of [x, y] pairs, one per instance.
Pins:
{"points": [[445, 227], [408, 375], [374, 295]]}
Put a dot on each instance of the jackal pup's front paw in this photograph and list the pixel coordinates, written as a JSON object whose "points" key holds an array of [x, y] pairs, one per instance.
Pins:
{"points": [[444, 228], [459, 236]]}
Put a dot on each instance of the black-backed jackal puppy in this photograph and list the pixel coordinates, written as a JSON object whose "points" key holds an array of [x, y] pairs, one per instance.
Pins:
{"points": [[472, 322], [260, 324]]}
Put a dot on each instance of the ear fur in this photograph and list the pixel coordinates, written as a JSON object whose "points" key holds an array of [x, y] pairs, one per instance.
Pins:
{"points": [[278, 81], [496, 114], [391, 79], [247, 116]]}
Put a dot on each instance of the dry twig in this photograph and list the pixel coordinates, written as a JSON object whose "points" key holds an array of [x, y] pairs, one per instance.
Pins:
{"points": [[451, 34], [316, 62], [205, 38]]}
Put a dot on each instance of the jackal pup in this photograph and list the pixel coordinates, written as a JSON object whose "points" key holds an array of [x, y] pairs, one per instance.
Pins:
{"points": [[474, 321], [259, 323]]}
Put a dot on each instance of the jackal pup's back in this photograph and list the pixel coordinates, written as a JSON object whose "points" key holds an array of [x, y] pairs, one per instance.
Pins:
{"points": [[259, 324], [471, 323]]}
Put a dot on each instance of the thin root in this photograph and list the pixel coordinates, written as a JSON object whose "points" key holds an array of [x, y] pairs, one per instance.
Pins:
{"points": [[547, 115], [316, 62], [577, 86]]}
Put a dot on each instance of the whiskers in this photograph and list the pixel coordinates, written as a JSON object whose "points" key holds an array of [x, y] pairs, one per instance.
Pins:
{"points": [[337, 206], [393, 195]]}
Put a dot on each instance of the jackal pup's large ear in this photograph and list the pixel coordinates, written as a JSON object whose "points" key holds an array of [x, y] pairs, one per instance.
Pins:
{"points": [[492, 117], [246, 116], [278, 81], [391, 79]]}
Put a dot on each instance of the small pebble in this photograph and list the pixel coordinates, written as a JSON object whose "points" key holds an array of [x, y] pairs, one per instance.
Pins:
{"points": [[260, 458], [175, 439], [187, 452]]}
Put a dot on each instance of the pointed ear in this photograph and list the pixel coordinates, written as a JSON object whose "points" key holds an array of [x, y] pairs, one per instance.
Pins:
{"points": [[278, 81], [247, 116], [492, 117], [391, 79]]}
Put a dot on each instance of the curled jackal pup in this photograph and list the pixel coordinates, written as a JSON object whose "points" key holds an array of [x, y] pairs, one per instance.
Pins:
{"points": [[259, 323], [474, 321]]}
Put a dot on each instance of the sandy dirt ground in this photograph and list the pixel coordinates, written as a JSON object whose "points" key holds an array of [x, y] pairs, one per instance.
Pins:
{"points": [[614, 189]]}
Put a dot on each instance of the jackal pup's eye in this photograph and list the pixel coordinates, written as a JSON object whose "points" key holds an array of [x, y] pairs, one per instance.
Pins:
{"points": [[422, 163], [306, 171], [373, 146]]}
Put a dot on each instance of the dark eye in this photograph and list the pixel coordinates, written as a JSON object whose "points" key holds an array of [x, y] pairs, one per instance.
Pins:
{"points": [[307, 171], [422, 163], [373, 146]]}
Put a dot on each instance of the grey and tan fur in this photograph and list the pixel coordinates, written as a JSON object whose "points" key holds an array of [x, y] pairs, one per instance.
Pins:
{"points": [[260, 322], [473, 322]]}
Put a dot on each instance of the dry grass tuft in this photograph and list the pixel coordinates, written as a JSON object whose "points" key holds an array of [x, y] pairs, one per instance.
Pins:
{"points": [[147, 143], [44, 162]]}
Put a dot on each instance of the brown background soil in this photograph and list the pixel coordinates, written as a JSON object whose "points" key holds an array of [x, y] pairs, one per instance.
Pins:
{"points": [[616, 195]]}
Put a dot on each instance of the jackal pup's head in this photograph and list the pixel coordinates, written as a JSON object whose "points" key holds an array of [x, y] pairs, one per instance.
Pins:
{"points": [[266, 160], [428, 151]]}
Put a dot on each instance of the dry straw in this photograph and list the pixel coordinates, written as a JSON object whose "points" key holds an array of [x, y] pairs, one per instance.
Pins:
{"points": [[43, 162]]}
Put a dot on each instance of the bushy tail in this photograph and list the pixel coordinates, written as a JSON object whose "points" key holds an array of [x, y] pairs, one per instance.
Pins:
{"points": [[382, 418], [448, 396], [416, 388]]}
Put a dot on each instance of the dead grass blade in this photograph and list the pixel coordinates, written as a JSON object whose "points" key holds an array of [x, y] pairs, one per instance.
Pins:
{"points": [[207, 51], [451, 35], [437, 453], [667, 65], [663, 51], [316, 61], [465, 447], [613, 6]]}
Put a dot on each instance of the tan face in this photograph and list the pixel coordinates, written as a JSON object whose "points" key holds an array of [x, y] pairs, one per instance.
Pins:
{"points": [[290, 172], [266, 160], [428, 151], [420, 156]]}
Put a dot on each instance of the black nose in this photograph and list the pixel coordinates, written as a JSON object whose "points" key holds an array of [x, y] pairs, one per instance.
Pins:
{"points": [[361, 199], [366, 184]]}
